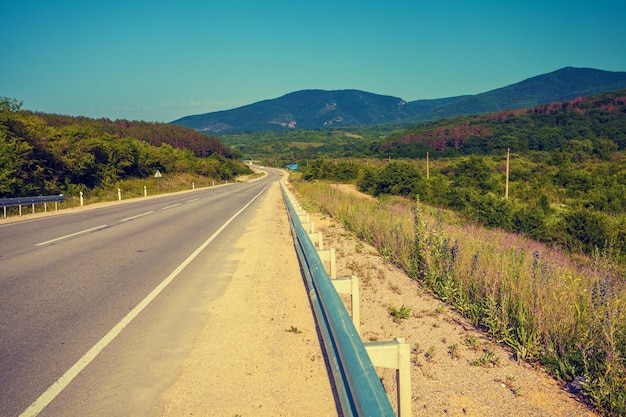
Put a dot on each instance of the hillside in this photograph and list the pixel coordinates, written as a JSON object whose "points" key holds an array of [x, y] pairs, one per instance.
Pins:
{"points": [[310, 109], [317, 109], [595, 124], [560, 85], [42, 154], [155, 134]]}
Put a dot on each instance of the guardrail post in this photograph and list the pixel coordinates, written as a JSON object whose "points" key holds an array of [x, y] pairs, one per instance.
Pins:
{"points": [[316, 238], [395, 355], [351, 286], [329, 256]]}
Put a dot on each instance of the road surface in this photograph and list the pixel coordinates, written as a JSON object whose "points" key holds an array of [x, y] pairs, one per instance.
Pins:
{"points": [[99, 307]]}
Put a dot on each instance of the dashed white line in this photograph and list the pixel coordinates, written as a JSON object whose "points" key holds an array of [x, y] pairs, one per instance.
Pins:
{"points": [[172, 206], [72, 235], [137, 216]]}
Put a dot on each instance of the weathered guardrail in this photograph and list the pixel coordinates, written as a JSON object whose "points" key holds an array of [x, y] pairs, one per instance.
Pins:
{"points": [[359, 389], [25, 201]]}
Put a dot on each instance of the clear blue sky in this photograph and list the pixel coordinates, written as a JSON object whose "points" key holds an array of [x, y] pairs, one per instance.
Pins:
{"points": [[159, 61]]}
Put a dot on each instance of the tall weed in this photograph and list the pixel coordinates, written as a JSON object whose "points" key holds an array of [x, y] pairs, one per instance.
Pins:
{"points": [[567, 313]]}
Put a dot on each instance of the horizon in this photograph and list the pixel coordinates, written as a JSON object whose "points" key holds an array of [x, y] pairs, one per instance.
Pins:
{"points": [[162, 62]]}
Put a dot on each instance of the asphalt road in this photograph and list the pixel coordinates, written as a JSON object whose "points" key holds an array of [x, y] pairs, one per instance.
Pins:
{"points": [[98, 308]]}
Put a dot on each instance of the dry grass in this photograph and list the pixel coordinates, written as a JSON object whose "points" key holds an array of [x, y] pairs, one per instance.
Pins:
{"points": [[563, 312]]}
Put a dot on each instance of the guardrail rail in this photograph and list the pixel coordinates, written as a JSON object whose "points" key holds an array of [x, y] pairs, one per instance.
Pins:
{"points": [[359, 389], [26, 201]]}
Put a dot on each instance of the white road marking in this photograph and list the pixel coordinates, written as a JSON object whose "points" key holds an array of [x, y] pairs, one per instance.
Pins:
{"points": [[72, 235], [192, 200], [137, 216], [169, 207], [60, 384]]}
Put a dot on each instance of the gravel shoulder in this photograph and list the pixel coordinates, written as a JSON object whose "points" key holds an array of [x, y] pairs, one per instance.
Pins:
{"points": [[259, 353]]}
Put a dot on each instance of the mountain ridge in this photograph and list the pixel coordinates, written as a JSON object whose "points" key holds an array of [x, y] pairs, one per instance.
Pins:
{"points": [[316, 109]]}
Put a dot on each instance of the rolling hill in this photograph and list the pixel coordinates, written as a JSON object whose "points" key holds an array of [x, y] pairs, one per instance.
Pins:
{"points": [[315, 109]]}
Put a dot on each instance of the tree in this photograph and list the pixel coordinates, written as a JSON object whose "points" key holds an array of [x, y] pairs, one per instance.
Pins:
{"points": [[588, 229], [530, 221], [366, 180], [473, 172], [604, 148], [398, 178], [13, 154], [493, 211]]}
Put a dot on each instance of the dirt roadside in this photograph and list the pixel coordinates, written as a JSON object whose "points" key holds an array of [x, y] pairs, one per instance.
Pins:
{"points": [[259, 354]]}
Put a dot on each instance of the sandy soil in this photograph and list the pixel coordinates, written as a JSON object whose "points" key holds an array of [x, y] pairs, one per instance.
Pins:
{"points": [[259, 354]]}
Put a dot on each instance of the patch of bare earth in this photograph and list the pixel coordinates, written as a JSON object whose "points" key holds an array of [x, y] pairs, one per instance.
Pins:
{"points": [[455, 369], [259, 354]]}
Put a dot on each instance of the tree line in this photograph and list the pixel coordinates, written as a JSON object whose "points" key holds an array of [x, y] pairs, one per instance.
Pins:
{"points": [[42, 154]]}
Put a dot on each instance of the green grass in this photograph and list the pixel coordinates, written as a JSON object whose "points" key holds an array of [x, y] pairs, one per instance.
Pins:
{"points": [[399, 314]]}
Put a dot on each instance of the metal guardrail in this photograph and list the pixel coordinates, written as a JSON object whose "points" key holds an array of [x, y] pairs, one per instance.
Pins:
{"points": [[360, 391], [25, 201]]}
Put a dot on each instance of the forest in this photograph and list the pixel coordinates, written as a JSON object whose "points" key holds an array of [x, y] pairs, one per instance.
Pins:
{"points": [[44, 154], [595, 124]]}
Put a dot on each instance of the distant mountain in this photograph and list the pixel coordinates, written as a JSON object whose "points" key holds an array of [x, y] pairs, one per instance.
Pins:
{"points": [[314, 109], [564, 84], [311, 109]]}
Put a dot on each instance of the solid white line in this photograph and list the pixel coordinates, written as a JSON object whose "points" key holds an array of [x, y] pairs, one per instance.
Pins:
{"points": [[169, 207], [72, 235], [137, 216], [59, 385]]}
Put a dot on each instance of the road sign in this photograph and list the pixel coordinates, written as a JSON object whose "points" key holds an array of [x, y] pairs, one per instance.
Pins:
{"points": [[157, 174]]}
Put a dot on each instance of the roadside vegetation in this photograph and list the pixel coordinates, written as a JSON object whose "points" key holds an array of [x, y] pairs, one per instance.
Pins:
{"points": [[43, 154], [579, 207], [531, 247], [563, 311]]}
